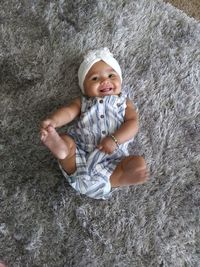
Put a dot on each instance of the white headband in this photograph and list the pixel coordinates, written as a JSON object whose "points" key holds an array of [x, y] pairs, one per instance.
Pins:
{"points": [[94, 56]]}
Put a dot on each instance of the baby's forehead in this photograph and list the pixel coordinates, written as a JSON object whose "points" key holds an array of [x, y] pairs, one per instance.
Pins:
{"points": [[99, 66]]}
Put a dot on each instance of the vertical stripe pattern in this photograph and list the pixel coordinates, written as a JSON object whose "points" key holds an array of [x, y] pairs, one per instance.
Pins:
{"points": [[99, 118]]}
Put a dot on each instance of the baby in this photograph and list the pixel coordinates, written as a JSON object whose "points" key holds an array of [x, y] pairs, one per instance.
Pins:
{"points": [[93, 155]]}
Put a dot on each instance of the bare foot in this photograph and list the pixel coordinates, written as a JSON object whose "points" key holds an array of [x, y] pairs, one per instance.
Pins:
{"points": [[54, 142], [135, 170], [130, 171], [138, 177]]}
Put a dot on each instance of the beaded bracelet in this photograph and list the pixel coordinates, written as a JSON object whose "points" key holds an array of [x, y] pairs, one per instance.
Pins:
{"points": [[114, 139]]}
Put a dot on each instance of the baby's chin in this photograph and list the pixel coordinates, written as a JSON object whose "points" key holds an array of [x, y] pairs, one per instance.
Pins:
{"points": [[103, 94], [108, 91]]}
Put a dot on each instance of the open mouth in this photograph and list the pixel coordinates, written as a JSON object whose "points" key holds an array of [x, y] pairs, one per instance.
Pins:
{"points": [[106, 90]]}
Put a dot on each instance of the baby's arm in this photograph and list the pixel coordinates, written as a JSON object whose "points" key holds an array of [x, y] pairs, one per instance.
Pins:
{"points": [[130, 126], [63, 115], [127, 130]]}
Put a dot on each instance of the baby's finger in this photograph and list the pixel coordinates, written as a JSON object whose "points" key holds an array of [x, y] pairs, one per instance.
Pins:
{"points": [[43, 134], [45, 124], [104, 150], [100, 147]]}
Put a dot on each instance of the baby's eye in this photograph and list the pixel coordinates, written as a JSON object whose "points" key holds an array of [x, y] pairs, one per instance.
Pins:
{"points": [[111, 75], [94, 78]]}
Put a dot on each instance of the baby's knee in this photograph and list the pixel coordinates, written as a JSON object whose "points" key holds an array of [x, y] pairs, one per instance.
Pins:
{"points": [[135, 162]]}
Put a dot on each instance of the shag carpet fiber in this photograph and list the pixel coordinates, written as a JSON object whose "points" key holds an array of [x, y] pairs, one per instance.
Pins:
{"points": [[43, 221]]}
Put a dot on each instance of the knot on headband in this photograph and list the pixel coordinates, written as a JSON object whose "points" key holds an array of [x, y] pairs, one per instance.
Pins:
{"points": [[94, 56], [100, 53]]}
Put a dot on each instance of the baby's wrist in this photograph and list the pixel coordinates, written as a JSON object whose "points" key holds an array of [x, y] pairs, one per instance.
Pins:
{"points": [[114, 140]]}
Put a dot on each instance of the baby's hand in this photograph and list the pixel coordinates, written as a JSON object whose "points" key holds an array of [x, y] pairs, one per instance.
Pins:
{"points": [[46, 123], [107, 145]]}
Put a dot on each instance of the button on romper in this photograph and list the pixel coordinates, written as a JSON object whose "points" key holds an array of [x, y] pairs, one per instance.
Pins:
{"points": [[99, 118]]}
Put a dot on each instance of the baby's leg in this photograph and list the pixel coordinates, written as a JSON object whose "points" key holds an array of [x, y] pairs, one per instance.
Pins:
{"points": [[62, 147], [69, 163], [131, 170]]}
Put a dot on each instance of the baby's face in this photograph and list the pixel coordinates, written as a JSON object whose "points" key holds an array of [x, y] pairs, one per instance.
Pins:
{"points": [[102, 80]]}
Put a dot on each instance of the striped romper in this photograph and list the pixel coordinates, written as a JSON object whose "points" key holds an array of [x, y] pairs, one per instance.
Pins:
{"points": [[99, 118]]}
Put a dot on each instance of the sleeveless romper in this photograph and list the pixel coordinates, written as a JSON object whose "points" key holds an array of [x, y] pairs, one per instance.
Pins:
{"points": [[99, 118]]}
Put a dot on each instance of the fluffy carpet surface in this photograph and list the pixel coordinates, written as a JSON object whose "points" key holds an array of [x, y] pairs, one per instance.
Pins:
{"points": [[43, 221]]}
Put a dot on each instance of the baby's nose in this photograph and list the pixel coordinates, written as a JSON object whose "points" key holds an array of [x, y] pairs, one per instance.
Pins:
{"points": [[104, 80]]}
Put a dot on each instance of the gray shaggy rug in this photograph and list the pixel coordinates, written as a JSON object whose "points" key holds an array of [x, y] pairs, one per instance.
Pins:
{"points": [[43, 221]]}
